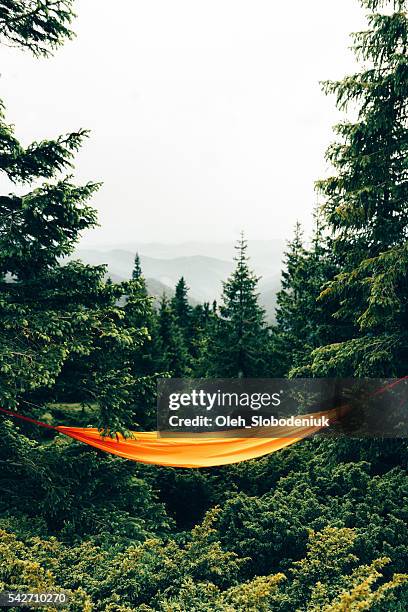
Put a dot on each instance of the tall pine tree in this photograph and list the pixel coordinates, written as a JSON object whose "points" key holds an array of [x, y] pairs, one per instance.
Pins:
{"points": [[240, 343], [202, 329], [51, 315], [139, 306], [137, 275], [288, 333], [170, 344], [182, 308], [140, 313], [302, 322], [367, 203]]}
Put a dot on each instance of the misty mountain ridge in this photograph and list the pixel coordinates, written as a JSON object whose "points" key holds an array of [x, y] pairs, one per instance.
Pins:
{"points": [[265, 255], [203, 273]]}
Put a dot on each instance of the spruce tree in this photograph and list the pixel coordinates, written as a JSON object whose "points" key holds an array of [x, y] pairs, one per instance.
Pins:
{"points": [[140, 313], [366, 203], [183, 315], [36, 229], [170, 344], [137, 275], [288, 333], [139, 306], [54, 317], [137, 268], [203, 321], [302, 323], [240, 343], [182, 308]]}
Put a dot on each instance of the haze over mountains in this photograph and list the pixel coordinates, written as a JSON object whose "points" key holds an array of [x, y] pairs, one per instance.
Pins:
{"points": [[203, 265]]}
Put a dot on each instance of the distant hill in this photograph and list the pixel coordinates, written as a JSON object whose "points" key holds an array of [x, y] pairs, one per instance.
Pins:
{"points": [[265, 255], [156, 289], [203, 273]]}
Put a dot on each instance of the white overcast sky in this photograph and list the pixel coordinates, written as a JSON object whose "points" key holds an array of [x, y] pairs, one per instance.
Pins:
{"points": [[206, 116]]}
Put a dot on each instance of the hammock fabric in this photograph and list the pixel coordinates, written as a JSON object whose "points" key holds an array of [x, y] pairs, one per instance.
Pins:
{"points": [[197, 451]]}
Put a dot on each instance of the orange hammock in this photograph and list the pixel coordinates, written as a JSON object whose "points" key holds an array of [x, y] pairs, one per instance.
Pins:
{"points": [[197, 451]]}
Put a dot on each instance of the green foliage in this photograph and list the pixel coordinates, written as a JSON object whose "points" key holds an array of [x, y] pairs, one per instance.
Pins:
{"points": [[21, 569], [182, 308], [198, 575], [329, 578], [171, 349], [40, 27], [302, 324], [140, 574], [77, 493], [137, 275], [38, 228], [366, 202], [203, 327], [140, 314], [61, 325], [239, 346]]}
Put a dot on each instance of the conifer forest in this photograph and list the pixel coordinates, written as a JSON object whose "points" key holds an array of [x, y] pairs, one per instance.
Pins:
{"points": [[321, 526]]}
